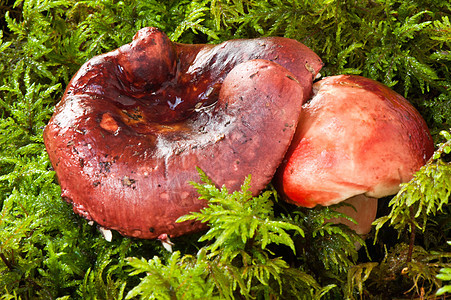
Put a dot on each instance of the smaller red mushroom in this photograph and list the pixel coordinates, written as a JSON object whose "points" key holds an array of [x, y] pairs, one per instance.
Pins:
{"points": [[356, 141]]}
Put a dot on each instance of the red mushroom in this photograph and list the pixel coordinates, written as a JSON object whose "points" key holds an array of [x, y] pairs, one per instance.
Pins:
{"points": [[357, 140], [133, 125]]}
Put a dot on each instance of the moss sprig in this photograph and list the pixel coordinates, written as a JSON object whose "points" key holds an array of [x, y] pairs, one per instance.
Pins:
{"points": [[237, 260]]}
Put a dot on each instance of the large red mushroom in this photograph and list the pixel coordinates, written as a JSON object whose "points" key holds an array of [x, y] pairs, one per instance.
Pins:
{"points": [[133, 125], [357, 141]]}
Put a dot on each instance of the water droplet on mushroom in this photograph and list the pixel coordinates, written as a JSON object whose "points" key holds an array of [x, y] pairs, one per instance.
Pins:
{"points": [[177, 101], [120, 68]]}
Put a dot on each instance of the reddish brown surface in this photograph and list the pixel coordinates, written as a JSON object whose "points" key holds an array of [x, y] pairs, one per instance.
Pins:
{"points": [[355, 136], [134, 123]]}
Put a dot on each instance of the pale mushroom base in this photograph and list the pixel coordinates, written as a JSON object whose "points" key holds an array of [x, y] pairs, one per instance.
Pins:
{"points": [[362, 209]]}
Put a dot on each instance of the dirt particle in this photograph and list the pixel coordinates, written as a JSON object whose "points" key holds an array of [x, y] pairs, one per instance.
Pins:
{"points": [[252, 75], [127, 181], [292, 78], [105, 166]]}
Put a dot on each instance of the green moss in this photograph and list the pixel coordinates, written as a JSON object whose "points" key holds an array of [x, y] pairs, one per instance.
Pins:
{"points": [[48, 252]]}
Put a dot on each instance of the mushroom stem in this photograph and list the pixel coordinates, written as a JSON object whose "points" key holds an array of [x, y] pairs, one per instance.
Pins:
{"points": [[363, 211], [166, 241], [106, 233]]}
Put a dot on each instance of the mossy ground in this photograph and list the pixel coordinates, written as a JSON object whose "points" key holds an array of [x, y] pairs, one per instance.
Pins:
{"points": [[47, 252]]}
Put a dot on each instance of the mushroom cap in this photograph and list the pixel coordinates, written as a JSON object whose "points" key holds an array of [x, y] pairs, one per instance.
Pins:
{"points": [[355, 136], [133, 125]]}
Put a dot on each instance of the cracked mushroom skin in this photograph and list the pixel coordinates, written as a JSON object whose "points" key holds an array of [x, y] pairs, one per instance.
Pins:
{"points": [[356, 139], [134, 123]]}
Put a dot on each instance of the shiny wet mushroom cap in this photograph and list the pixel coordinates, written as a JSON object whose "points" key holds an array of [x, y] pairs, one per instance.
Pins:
{"points": [[133, 125], [357, 140]]}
